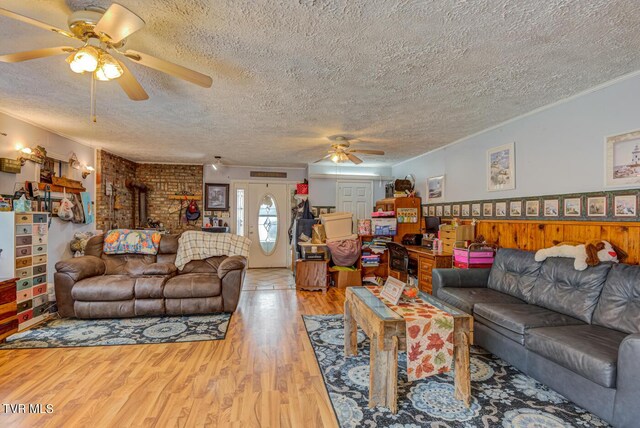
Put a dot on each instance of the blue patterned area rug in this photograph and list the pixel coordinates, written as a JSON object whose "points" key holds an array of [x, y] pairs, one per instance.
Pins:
{"points": [[70, 332], [501, 395]]}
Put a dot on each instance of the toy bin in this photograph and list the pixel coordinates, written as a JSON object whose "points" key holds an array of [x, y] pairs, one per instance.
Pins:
{"points": [[337, 225], [474, 256]]}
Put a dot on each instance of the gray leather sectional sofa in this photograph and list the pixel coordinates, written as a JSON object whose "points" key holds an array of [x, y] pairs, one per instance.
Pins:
{"points": [[577, 332]]}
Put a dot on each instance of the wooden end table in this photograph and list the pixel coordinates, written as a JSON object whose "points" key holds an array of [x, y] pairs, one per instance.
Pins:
{"points": [[387, 333]]}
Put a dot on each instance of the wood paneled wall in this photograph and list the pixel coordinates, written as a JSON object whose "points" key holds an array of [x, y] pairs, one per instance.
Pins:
{"points": [[533, 235]]}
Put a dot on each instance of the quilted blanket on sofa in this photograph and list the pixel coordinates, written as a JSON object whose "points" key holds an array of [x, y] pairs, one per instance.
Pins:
{"points": [[195, 245]]}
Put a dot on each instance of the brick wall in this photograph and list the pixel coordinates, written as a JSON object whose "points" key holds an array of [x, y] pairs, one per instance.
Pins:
{"points": [[117, 170], [162, 181], [166, 180]]}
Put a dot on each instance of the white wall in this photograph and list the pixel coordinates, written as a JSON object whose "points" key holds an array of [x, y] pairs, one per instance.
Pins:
{"points": [[323, 181], [559, 149], [27, 135], [227, 174]]}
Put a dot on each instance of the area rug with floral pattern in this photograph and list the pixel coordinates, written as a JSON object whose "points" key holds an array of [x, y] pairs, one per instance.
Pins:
{"points": [[69, 332], [501, 394]]}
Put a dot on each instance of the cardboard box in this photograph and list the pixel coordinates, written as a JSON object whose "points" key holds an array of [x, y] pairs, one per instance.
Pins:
{"points": [[345, 278]]}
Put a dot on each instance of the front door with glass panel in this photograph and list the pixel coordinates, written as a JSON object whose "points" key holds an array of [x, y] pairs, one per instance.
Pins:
{"points": [[267, 216]]}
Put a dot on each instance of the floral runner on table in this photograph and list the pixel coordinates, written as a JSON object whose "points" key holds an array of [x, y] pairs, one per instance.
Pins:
{"points": [[429, 336]]}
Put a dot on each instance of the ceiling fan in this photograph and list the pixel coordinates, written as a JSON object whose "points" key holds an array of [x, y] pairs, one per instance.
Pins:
{"points": [[340, 152], [103, 34]]}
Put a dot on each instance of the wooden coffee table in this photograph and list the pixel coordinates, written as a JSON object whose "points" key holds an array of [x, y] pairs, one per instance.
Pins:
{"points": [[387, 333]]}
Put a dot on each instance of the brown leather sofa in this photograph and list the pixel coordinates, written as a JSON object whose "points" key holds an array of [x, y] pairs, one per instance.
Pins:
{"points": [[99, 285]]}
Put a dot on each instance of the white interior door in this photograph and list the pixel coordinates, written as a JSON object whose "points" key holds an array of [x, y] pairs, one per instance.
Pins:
{"points": [[355, 197], [267, 220]]}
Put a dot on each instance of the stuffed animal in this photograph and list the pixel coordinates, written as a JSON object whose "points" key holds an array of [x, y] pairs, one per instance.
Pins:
{"points": [[589, 254]]}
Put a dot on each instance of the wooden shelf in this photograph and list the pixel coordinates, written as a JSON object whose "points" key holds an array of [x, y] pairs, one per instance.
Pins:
{"points": [[61, 189]]}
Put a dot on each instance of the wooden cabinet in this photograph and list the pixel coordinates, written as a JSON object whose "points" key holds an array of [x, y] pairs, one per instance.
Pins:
{"points": [[24, 256], [450, 235], [427, 260], [393, 204], [312, 275], [8, 308]]}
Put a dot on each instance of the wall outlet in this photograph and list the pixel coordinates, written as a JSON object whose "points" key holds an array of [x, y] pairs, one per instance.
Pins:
{"points": [[108, 188]]}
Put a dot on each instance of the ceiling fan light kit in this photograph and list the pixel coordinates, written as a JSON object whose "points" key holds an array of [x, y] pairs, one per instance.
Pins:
{"points": [[104, 32], [342, 152]]}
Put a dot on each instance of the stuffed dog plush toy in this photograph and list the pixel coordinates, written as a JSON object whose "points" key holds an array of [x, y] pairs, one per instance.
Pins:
{"points": [[589, 254]]}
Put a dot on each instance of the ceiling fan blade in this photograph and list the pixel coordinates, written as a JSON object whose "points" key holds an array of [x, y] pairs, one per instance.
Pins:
{"points": [[170, 68], [35, 54], [326, 157], [117, 23], [368, 152], [355, 159], [130, 85], [35, 22]]}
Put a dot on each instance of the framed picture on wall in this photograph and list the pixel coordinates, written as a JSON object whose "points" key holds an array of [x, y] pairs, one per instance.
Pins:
{"points": [[439, 211], [625, 205], [447, 210], [501, 209], [532, 208], [597, 206], [501, 168], [572, 207], [435, 189], [487, 209], [622, 159], [475, 210], [515, 208], [431, 210], [455, 210], [216, 197], [465, 210], [551, 208]]}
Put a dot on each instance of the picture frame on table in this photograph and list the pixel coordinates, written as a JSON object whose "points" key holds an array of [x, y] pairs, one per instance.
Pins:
{"points": [[572, 207], [625, 206], [622, 159], [532, 208], [475, 210], [216, 196], [435, 188], [487, 209], [431, 210], [439, 211], [501, 168], [501, 209], [465, 210], [455, 210], [515, 208], [447, 210], [551, 208], [597, 206]]}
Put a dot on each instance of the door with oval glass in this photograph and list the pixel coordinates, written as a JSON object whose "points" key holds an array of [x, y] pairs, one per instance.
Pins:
{"points": [[267, 220]]}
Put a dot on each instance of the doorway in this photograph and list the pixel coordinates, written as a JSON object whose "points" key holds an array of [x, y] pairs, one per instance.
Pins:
{"points": [[355, 197], [267, 210]]}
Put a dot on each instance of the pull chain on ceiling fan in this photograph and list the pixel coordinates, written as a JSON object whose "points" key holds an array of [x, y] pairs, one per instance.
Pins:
{"points": [[104, 34]]}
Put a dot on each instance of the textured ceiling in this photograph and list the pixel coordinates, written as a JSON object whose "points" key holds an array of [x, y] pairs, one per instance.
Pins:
{"points": [[405, 76]]}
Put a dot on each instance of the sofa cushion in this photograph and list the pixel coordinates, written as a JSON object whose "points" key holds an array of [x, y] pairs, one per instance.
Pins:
{"points": [[127, 264], [104, 288], [465, 298], [209, 265], [191, 285], [588, 350], [513, 320], [563, 289], [514, 272], [150, 287], [619, 304]]}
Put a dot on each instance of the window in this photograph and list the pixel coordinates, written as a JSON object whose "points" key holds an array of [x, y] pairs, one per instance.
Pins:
{"points": [[240, 212]]}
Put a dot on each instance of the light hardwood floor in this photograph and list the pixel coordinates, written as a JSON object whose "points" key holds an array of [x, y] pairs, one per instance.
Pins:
{"points": [[264, 374]]}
